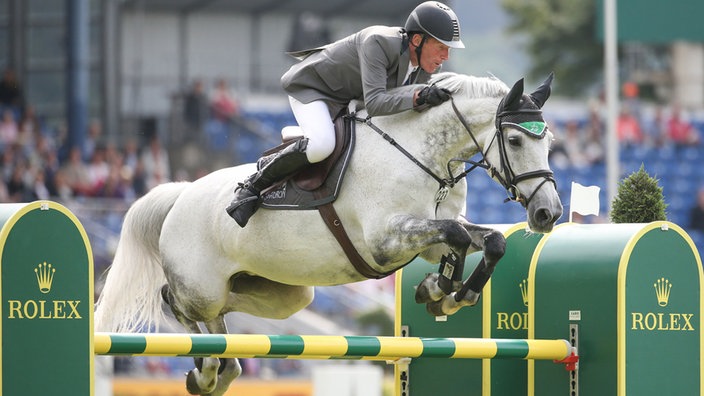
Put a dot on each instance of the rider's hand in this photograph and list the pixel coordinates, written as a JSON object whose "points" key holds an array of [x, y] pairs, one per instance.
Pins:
{"points": [[432, 96]]}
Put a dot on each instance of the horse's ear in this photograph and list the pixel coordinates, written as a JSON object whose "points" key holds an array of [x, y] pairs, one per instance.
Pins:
{"points": [[513, 98], [541, 95]]}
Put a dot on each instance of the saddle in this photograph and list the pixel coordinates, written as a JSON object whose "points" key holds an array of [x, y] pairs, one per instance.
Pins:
{"points": [[317, 187], [319, 183]]}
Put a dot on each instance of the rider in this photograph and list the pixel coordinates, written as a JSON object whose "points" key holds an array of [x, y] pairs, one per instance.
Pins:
{"points": [[386, 67]]}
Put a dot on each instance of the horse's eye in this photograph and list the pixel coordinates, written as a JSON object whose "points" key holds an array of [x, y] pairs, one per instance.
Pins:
{"points": [[514, 141]]}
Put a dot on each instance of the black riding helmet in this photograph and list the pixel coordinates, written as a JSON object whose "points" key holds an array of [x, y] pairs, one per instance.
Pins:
{"points": [[438, 21]]}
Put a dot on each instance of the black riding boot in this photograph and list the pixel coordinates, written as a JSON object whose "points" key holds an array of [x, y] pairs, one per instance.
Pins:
{"points": [[285, 163]]}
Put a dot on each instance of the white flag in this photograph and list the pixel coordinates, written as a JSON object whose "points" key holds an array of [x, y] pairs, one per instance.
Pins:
{"points": [[584, 200]]}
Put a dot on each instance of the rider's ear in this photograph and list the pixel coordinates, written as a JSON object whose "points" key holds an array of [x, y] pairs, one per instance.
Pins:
{"points": [[513, 98], [416, 39], [541, 95]]}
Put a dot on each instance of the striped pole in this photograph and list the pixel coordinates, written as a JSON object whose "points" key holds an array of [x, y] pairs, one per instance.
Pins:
{"points": [[325, 347]]}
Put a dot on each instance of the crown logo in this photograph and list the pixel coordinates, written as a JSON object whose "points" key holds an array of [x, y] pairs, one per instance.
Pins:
{"points": [[45, 276], [662, 291], [524, 291]]}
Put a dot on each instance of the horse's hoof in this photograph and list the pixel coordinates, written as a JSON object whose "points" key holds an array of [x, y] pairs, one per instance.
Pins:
{"points": [[191, 384], [471, 298], [428, 290], [435, 308], [423, 295], [198, 361], [448, 286]]}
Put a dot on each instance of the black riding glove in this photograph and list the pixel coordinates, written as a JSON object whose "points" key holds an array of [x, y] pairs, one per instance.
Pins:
{"points": [[432, 96]]}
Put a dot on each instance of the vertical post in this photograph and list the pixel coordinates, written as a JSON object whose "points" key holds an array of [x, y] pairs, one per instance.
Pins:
{"points": [[611, 91], [77, 73], [111, 72], [255, 53], [16, 30], [183, 50]]}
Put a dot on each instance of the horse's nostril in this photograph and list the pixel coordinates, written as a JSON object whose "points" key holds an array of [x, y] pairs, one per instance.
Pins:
{"points": [[543, 216]]}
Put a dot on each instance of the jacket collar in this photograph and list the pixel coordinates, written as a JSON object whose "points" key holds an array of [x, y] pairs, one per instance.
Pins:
{"points": [[404, 60]]}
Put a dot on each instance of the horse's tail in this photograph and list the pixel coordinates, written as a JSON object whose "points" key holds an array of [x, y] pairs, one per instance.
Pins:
{"points": [[130, 299]]}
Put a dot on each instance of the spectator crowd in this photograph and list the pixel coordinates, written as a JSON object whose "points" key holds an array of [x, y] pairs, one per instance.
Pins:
{"points": [[36, 162], [581, 143]]}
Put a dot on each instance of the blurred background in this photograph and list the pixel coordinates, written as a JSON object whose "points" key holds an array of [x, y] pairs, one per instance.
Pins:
{"points": [[100, 100]]}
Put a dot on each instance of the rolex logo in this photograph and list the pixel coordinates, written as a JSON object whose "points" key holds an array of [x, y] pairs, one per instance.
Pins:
{"points": [[45, 276], [524, 291], [662, 291], [517, 320]]}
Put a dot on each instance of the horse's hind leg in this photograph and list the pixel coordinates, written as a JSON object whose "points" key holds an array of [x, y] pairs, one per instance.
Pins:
{"points": [[211, 376], [227, 368]]}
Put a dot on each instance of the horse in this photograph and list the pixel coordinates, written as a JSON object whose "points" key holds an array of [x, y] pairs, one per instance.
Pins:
{"points": [[397, 202]]}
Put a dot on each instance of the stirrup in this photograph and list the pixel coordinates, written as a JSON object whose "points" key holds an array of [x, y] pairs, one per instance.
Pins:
{"points": [[242, 185], [244, 204], [243, 209], [237, 203]]}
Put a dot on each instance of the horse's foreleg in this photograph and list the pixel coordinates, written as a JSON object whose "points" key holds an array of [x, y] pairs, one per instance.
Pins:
{"points": [[494, 247], [493, 244], [406, 233]]}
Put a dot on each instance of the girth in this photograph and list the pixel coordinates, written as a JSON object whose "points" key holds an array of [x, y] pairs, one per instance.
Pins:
{"points": [[332, 220]]}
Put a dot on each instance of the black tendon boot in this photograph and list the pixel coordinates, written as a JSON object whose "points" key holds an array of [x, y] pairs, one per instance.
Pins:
{"points": [[285, 163]]}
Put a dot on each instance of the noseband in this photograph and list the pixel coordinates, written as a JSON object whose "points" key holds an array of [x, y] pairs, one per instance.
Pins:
{"points": [[505, 174]]}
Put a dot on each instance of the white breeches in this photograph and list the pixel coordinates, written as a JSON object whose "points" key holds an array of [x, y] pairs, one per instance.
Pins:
{"points": [[316, 125]]}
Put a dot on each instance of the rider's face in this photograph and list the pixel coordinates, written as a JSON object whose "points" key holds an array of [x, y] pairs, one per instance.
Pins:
{"points": [[433, 55]]}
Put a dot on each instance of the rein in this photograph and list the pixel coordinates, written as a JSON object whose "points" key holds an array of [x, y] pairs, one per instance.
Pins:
{"points": [[393, 142], [445, 183], [508, 179]]}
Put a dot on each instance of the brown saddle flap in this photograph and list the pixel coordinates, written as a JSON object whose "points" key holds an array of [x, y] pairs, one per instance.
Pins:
{"points": [[312, 177]]}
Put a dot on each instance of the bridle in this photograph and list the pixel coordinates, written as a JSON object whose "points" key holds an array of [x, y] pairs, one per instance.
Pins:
{"points": [[505, 174]]}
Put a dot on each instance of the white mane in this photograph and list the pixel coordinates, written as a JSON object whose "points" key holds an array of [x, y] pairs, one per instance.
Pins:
{"points": [[472, 86]]}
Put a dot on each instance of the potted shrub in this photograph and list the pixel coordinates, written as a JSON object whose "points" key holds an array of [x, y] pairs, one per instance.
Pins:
{"points": [[639, 199]]}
